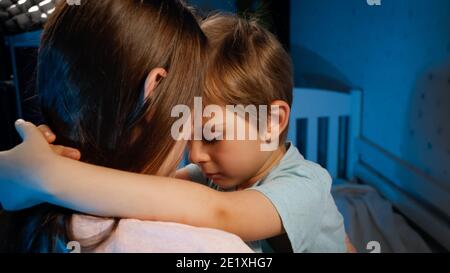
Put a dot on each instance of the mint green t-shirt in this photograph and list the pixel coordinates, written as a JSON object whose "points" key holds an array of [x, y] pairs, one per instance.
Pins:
{"points": [[300, 191]]}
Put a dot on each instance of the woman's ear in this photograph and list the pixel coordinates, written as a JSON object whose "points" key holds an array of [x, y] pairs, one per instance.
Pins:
{"points": [[153, 79]]}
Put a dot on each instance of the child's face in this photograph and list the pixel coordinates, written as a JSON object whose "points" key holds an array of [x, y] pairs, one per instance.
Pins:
{"points": [[230, 163]]}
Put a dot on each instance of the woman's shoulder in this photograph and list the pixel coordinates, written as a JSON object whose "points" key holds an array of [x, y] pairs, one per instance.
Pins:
{"points": [[133, 235]]}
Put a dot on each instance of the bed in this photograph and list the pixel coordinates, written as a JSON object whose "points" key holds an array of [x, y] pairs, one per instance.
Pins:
{"points": [[326, 126]]}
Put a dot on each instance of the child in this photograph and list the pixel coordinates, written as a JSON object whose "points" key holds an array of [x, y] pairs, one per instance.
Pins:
{"points": [[249, 67], [273, 199]]}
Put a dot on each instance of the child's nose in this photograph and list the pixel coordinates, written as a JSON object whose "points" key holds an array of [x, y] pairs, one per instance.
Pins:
{"points": [[197, 154]]}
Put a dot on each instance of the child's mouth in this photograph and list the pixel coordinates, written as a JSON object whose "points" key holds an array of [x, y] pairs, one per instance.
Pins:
{"points": [[212, 175]]}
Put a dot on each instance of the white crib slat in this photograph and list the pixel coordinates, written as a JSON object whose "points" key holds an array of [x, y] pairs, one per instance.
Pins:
{"points": [[333, 146], [312, 139], [355, 131]]}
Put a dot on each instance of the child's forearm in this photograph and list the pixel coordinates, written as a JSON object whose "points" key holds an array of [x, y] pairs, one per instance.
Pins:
{"points": [[108, 192]]}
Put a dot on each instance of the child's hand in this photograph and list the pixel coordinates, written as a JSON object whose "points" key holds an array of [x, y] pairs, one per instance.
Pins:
{"points": [[349, 245], [58, 149], [19, 184]]}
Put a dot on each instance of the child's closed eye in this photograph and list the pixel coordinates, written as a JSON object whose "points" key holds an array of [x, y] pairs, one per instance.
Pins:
{"points": [[217, 136]]}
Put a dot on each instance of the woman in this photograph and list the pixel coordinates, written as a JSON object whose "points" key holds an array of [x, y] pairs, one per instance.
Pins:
{"points": [[108, 74]]}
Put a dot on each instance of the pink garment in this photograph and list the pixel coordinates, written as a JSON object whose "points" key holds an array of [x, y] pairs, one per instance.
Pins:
{"points": [[135, 236]]}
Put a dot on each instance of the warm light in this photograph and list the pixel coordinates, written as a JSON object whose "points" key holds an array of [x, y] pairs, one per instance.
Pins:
{"points": [[33, 9], [44, 2]]}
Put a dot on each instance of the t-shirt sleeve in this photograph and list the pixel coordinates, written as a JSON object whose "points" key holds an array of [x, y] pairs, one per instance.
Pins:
{"points": [[196, 174], [300, 201]]}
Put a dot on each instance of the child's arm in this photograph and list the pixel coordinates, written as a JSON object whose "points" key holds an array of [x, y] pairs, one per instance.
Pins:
{"points": [[108, 192]]}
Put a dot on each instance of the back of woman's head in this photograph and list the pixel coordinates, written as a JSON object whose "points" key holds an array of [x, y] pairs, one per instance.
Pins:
{"points": [[93, 62]]}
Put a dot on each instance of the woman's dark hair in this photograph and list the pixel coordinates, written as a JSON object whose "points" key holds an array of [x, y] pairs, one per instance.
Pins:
{"points": [[92, 65]]}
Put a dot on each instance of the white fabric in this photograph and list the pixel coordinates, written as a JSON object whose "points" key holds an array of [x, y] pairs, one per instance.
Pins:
{"points": [[135, 236], [368, 217]]}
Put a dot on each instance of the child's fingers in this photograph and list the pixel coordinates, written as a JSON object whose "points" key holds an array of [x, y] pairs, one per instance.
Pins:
{"points": [[47, 133], [66, 152], [349, 245]]}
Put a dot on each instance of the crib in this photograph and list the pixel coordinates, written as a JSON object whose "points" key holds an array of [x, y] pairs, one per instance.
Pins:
{"points": [[326, 126]]}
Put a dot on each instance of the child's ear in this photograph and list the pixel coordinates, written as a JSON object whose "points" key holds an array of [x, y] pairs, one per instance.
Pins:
{"points": [[153, 79], [283, 114]]}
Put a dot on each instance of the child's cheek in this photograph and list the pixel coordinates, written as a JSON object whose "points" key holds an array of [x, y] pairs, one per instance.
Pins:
{"points": [[227, 165]]}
